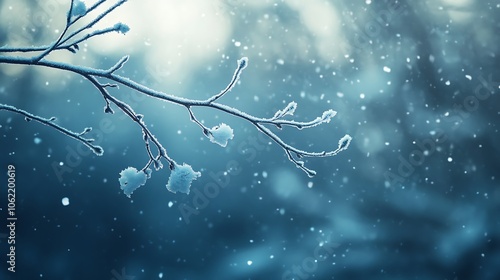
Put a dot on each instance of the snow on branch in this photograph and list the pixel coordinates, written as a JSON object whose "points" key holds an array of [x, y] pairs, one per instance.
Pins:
{"points": [[181, 175], [51, 122]]}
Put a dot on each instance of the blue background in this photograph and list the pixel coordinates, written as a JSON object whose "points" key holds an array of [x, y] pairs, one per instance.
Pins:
{"points": [[379, 210]]}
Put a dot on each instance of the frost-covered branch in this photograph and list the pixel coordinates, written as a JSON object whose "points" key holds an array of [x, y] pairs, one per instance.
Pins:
{"points": [[51, 123], [181, 175], [242, 64], [76, 11]]}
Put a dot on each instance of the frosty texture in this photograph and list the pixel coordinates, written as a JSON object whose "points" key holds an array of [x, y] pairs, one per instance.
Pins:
{"points": [[221, 134], [79, 8], [105, 79], [181, 178], [131, 179]]}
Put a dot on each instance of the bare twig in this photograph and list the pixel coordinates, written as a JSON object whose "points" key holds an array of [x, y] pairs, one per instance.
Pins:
{"points": [[98, 150]]}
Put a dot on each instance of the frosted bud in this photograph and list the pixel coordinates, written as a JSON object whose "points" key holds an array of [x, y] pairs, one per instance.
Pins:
{"points": [[181, 178], [220, 134], [131, 179]]}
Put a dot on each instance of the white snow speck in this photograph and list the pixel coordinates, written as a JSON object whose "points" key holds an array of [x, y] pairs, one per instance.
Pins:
{"points": [[447, 83], [237, 43], [249, 262], [450, 159], [37, 140], [65, 201], [469, 77], [387, 69]]}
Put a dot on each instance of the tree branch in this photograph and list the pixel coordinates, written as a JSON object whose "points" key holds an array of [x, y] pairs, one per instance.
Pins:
{"points": [[98, 150], [218, 134]]}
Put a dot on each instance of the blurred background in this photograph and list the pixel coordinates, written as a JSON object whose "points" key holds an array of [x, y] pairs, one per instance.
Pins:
{"points": [[416, 195]]}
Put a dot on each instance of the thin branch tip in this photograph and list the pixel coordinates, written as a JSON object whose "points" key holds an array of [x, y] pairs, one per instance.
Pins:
{"points": [[118, 64]]}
